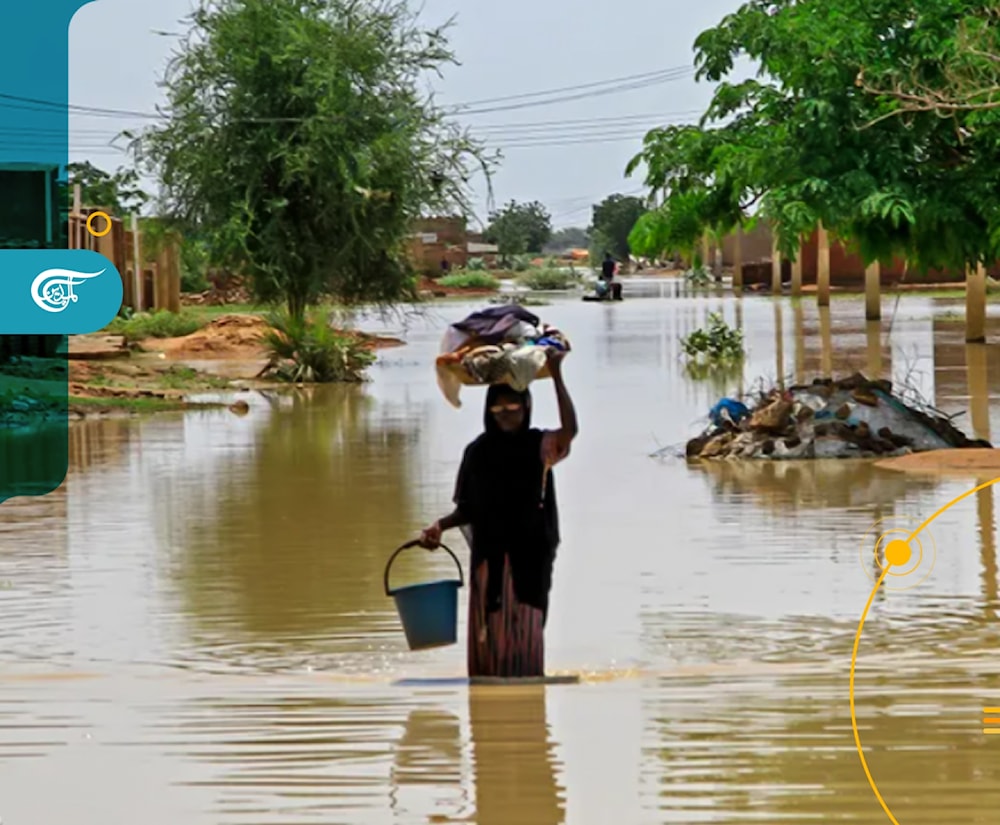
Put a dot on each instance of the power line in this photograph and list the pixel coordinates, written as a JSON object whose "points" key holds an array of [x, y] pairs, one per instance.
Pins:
{"points": [[573, 142], [586, 121], [577, 87], [514, 128], [574, 135], [612, 86], [568, 98], [593, 202]]}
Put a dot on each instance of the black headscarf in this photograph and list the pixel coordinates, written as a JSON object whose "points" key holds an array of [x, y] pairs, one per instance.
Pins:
{"points": [[511, 512]]}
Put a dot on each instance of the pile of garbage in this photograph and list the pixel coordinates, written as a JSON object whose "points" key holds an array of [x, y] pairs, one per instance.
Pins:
{"points": [[851, 418], [503, 344]]}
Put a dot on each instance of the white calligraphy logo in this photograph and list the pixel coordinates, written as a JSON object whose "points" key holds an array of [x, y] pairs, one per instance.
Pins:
{"points": [[52, 290]]}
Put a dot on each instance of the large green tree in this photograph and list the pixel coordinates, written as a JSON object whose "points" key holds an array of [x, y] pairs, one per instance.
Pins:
{"points": [[965, 77], [569, 237], [613, 221], [519, 228], [802, 143], [300, 142]]}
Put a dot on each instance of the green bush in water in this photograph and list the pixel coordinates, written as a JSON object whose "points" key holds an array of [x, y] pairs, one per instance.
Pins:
{"points": [[698, 276], [309, 350], [469, 280], [520, 263], [716, 344], [544, 279]]}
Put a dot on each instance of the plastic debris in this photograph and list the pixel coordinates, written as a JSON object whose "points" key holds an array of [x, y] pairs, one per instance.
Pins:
{"points": [[852, 418]]}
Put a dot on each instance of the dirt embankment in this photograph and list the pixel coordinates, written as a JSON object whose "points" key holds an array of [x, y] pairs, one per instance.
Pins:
{"points": [[229, 351], [237, 337], [958, 462]]}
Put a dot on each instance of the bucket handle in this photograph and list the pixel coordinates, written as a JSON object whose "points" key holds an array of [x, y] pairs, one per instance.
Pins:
{"points": [[416, 543]]}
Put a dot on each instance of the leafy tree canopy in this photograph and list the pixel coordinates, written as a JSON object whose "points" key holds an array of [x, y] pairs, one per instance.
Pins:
{"points": [[519, 228], [570, 237], [968, 75], [300, 143], [803, 143], [613, 220]]}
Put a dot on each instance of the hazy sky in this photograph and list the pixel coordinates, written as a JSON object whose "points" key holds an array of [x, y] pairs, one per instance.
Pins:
{"points": [[567, 154]]}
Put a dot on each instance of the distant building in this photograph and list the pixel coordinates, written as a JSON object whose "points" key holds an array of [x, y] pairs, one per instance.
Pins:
{"points": [[438, 239]]}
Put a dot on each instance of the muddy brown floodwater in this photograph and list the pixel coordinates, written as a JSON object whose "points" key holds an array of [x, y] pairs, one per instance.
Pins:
{"points": [[193, 629]]}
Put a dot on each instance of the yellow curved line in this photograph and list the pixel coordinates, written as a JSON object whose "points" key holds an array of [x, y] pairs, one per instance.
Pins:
{"points": [[854, 717], [861, 627], [926, 522]]}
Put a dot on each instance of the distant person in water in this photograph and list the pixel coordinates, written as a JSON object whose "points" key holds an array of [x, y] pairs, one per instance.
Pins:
{"points": [[505, 502], [608, 268], [607, 286]]}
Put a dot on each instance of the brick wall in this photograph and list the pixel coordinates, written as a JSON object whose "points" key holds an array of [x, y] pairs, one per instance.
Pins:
{"points": [[449, 243], [846, 268]]}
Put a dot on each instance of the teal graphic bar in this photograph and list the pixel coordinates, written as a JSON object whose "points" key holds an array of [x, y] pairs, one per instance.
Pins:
{"points": [[57, 291], [34, 203]]}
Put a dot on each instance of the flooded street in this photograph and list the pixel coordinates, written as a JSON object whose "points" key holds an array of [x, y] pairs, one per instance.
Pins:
{"points": [[194, 628]]}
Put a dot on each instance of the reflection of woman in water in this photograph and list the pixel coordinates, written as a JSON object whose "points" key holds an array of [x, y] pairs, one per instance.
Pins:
{"points": [[506, 495], [514, 777], [512, 754]]}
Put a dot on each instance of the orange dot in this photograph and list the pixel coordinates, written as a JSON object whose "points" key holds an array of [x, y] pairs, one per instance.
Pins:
{"points": [[898, 552]]}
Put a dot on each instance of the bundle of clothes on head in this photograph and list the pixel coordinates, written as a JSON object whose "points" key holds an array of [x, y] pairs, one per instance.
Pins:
{"points": [[498, 345]]}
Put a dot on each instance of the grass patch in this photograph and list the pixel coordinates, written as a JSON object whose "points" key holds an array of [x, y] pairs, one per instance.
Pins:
{"points": [[547, 279], [210, 312], [311, 351], [469, 280], [177, 377], [159, 324]]}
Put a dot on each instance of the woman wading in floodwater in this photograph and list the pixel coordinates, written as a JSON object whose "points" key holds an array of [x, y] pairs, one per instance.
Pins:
{"points": [[505, 496]]}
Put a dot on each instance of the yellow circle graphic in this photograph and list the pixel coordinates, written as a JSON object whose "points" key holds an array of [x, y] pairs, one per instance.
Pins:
{"points": [[107, 224], [893, 548]]}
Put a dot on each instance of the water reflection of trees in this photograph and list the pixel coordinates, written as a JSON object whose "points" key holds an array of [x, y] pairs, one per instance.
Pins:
{"points": [[780, 485], [98, 443], [289, 537]]}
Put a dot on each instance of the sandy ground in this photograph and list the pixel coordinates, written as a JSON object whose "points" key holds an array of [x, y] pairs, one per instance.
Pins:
{"points": [[233, 337], [227, 349], [965, 462]]}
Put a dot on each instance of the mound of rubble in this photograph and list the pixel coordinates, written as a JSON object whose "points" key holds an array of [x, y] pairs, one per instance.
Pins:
{"points": [[852, 418]]}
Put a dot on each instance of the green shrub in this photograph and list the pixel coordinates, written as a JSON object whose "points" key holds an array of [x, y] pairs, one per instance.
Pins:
{"points": [[698, 276], [546, 279], [475, 265], [311, 351], [717, 345], [469, 280], [158, 324], [520, 263]]}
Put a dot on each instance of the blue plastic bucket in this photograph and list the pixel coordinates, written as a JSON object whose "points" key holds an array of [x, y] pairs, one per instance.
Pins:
{"points": [[428, 611]]}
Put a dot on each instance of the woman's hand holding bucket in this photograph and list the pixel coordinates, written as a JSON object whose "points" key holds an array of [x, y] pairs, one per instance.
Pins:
{"points": [[430, 537]]}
